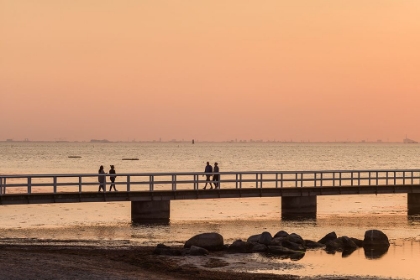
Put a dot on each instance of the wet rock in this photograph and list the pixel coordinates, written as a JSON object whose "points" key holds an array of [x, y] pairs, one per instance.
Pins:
{"points": [[278, 240], [280, 250], [293, 246], [162, 249], [334, 246], [309, 244], [358, 242], [375, 237], [296, 238], [297, 256], [253, 238], [348, 243], [210, 241], [281, 233], [198, 251], [259, 248], [341, 244], [375, 244], [240, 246], [265, 238], [327, 238]]}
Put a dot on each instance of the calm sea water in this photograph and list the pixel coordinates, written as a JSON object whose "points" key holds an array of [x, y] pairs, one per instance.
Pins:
{"points": [[233, 218]]}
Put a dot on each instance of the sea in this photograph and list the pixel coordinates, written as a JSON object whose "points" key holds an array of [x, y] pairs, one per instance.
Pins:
{"points": [[109, 222]]}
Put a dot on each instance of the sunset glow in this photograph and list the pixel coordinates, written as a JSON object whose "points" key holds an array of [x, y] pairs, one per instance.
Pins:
{"points": [[210, 70]]}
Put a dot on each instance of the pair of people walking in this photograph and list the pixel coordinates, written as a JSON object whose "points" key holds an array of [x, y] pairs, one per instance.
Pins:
{"points": [[102, 178], [209, 170]]}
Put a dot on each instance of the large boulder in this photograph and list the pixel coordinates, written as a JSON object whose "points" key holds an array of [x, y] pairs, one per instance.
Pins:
{"points": [[375, 244], [211, 241], [240, 246], [375, 237]]}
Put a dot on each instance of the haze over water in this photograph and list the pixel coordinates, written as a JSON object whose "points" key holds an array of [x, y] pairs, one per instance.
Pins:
{"points": [[233, 218]]}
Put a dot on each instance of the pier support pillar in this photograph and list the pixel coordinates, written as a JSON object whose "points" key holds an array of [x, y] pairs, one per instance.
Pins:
{"points": [[150, 211], [297, 207], [413, 203]]}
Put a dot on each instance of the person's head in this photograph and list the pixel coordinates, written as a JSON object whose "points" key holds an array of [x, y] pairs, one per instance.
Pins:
{"points": [[208, 163], [101, 167], [215, 163], [112, 167]]}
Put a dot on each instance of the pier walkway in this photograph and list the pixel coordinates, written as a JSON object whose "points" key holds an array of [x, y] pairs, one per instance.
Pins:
{"points": [[150, 193]]}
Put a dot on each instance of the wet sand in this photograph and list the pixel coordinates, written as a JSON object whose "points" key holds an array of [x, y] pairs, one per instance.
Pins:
{"points": [[51, 261]]}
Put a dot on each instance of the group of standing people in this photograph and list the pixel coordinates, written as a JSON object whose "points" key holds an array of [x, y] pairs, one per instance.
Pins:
{"points": [[209, 170], [102, 178]]}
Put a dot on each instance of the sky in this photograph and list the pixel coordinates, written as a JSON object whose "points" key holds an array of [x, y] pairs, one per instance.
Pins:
{"points": [[219, 70]]}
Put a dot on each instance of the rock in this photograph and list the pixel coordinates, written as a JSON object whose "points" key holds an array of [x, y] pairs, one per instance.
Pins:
{"points": [[280, 250], [259, 248], [240, 246], [265, 238], [281, 233], [327, 238], [375, 237], [348, 243], [309, 244], [375, 244], [296, 238], [358, 242], [293, 246], [334, 245], [166, 250], [198, 251], [254, 238], [278, 240], [210, 241], [297, 256], [341, 244]]}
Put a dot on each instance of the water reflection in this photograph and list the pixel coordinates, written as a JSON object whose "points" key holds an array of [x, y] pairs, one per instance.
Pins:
{"points": [[375, 252]]}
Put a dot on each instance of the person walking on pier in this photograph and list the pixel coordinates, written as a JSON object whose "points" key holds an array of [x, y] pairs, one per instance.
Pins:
{"points": [[208, 170], [112, 178], [216, 176], [101, 179]]}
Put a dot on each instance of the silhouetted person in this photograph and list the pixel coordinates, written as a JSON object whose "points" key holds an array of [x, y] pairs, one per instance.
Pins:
{"points": [[216, 177], [101, 179], [112, 178], [208, 170]]}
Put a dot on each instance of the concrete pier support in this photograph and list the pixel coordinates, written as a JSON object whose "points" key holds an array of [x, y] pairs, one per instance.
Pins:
{"points": [[413, 203], [150, 211], [296, 207]]}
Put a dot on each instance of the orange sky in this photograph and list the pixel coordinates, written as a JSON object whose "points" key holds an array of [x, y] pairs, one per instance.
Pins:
{"points": [[210, 70]]}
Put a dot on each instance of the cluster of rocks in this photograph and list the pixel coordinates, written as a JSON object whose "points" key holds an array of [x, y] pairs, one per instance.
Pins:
{"points": [[282, 244]]}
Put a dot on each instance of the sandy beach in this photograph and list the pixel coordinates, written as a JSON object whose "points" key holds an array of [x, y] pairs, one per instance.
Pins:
{"points": [[51, 261]]}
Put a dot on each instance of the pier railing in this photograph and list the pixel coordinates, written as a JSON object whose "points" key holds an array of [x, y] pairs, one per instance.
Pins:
{"points": [[149, 182]]}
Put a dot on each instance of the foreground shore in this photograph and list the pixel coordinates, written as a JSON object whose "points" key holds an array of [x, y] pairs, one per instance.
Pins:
{"points": [[49, 261]]}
